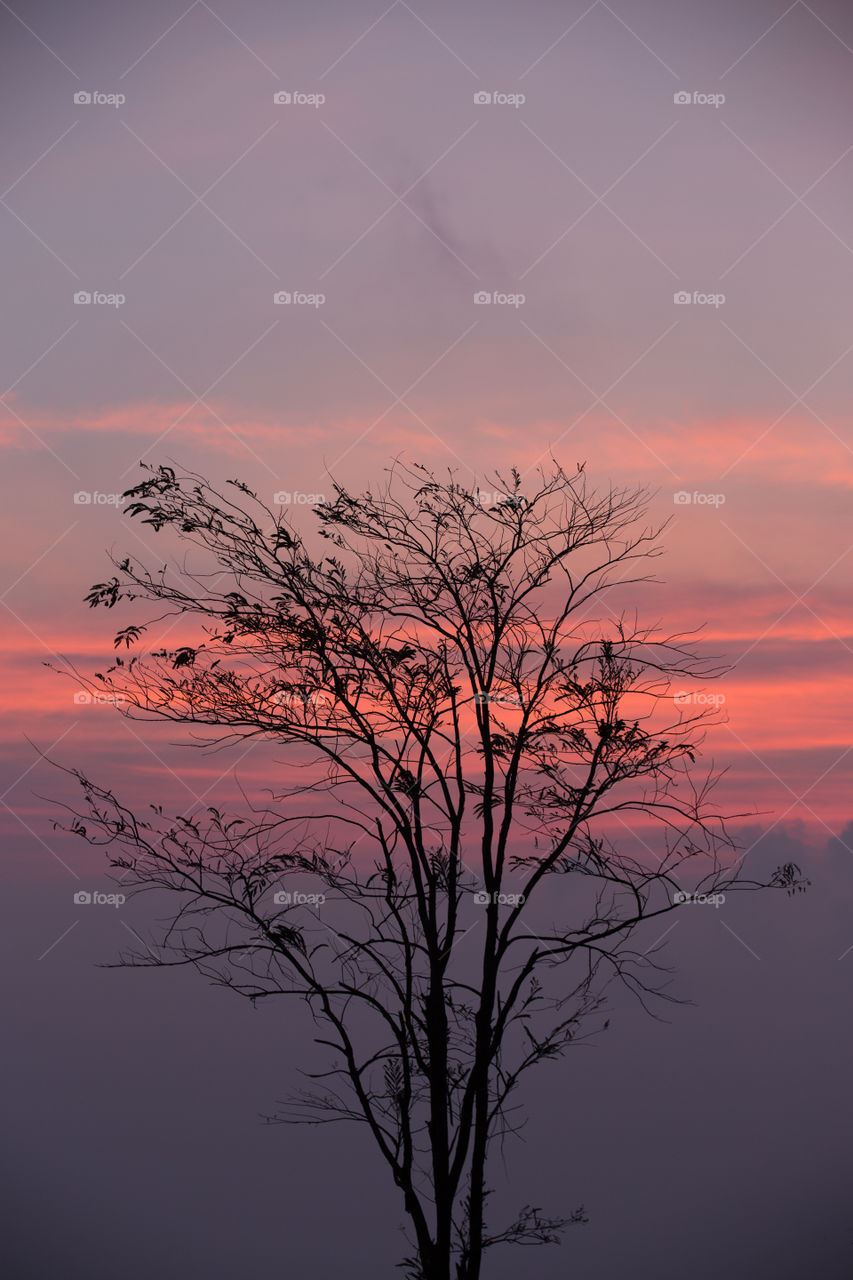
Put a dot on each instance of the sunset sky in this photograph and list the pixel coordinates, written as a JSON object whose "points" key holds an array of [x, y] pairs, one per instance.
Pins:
{"points": [[582, 198]]}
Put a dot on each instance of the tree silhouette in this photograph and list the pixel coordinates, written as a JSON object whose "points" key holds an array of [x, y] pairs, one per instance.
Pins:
{"points": [[466, 719]]}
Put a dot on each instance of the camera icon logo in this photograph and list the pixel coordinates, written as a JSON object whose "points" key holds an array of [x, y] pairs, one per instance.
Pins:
{"points": [[281, 299], [82, 98], [82, 298], [682, 498], [82, 699], [483, 298], [282, 98], [682, 298], [681, 99], [482, 99], [82, 499], [82, 898]]}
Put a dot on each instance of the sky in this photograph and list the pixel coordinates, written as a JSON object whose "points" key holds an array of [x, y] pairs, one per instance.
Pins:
{"points": [[614, 233]]}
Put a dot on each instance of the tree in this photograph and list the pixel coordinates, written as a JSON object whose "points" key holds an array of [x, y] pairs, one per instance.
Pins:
{"points": [[451, 705]]}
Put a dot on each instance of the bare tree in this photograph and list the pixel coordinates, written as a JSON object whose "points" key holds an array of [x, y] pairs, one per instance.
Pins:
{"points": [[467, 721]]}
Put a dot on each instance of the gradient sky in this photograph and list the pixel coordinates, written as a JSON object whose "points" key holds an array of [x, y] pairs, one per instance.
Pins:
{"points": [[398, 199]]}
